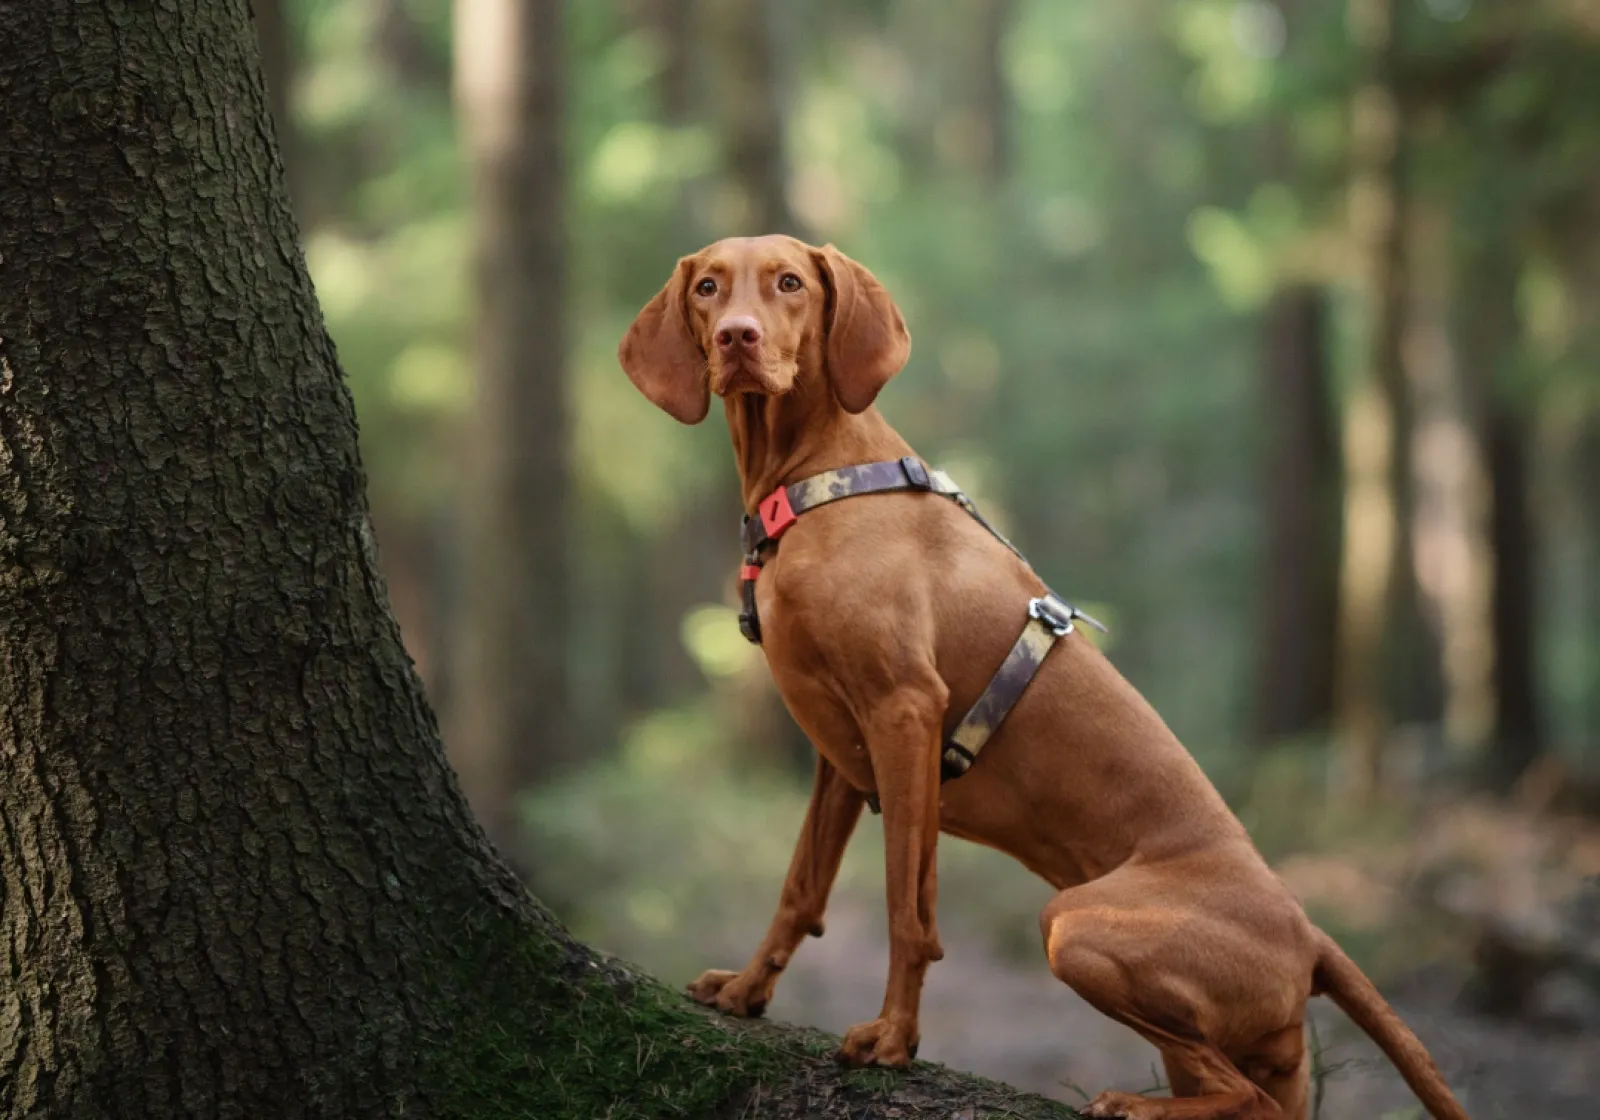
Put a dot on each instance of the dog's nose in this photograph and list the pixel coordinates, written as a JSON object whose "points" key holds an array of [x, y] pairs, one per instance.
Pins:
{"points": [[736, 330]]}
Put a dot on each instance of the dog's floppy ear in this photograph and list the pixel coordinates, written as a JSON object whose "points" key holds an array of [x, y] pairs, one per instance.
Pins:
{"points": [[661, 357], [867, 340]]}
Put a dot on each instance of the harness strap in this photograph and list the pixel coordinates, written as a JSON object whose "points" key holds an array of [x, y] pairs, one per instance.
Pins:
{"points": [[779, 509], [1050, 618]]}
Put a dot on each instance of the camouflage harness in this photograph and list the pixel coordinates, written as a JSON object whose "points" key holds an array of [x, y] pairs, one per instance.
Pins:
{"points": [[1049, 617]]}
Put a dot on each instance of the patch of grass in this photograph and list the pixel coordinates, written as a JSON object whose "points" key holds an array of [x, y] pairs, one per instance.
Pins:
{"points": [[870, 1080]]}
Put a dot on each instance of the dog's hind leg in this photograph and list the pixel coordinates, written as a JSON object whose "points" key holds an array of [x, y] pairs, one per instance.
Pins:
{"points": [[1141, 947], [1213, 1088], [1278, 1064]]}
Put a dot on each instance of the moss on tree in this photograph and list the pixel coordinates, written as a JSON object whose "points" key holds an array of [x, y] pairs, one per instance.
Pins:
{"points": [[566, 1033]]}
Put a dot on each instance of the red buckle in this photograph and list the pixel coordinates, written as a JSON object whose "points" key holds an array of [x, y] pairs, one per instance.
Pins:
{"points": [[749, 572], [776, 512]]}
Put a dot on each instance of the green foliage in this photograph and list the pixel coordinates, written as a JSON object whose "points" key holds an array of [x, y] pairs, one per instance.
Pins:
{"points": [[1085, 316], [1080, 401], [688, 860]]}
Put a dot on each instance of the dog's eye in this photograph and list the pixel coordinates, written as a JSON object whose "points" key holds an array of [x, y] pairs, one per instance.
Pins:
{"points": [[789, 282], [706, 287]]}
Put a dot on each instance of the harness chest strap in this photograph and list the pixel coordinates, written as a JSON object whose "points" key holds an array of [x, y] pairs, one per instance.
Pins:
{"points": [[1050, 617], [1049, 620], [779, 510]]}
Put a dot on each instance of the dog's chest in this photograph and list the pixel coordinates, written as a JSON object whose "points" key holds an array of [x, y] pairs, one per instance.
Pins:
{"points": [[820, 710]]}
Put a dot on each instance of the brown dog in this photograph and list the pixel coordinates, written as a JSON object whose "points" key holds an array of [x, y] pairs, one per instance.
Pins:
{"points": [[884, 619]]}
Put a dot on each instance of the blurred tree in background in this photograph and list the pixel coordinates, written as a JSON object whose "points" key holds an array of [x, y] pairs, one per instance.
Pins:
{"points": [[1265, 327], [511, 724]]}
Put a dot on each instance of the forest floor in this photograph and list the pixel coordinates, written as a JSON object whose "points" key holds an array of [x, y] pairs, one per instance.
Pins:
{"points": [[689, 883], [1012, 1021]]}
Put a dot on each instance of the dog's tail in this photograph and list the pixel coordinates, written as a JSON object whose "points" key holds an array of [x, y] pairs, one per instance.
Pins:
{"points": [[1338, 977]]}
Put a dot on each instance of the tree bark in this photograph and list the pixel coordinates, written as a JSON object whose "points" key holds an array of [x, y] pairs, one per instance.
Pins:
{"points": [[237, 877], [278, 68], [510, 717], [1300, 569], [234, 866]]}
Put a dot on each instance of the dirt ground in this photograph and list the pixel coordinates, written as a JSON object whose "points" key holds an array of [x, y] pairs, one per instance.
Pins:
{"points": [[1011, 1020], [691, 882]]}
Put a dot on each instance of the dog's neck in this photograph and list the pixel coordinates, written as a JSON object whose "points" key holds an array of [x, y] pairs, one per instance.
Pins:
{"points": [[779, 440]]}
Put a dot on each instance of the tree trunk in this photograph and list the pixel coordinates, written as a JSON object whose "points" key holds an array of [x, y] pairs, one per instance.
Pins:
{"points": [[751, 92], [510, 718], [278, 69], [1300, 571], [405, 49], [747, 46], [1489, 335], [1585, 485], [237, 877], [1450, 517], [991, 100], [1380, 639], [234, 867], [1297, 647], [672, 24], [1517, 741]]}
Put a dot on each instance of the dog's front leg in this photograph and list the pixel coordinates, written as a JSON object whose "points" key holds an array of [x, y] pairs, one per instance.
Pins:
{"points": [[830, 819], [903, 738]]}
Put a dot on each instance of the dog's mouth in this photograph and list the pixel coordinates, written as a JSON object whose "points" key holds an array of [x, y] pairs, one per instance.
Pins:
{"points": [[736, 376]]}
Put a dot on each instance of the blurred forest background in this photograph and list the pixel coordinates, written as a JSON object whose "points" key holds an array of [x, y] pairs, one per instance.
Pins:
{"points": [[1269, 328]]}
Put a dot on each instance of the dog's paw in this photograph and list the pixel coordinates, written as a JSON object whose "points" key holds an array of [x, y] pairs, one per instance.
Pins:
{"points": [[881, 1042], [1125, 1106], [730, 993]]}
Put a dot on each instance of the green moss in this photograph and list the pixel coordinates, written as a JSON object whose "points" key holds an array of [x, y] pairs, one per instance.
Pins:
{"points": [[558, 1033]]}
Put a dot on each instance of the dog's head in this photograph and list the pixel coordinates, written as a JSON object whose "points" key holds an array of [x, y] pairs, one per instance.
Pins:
{"points": [[757, 315]]}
